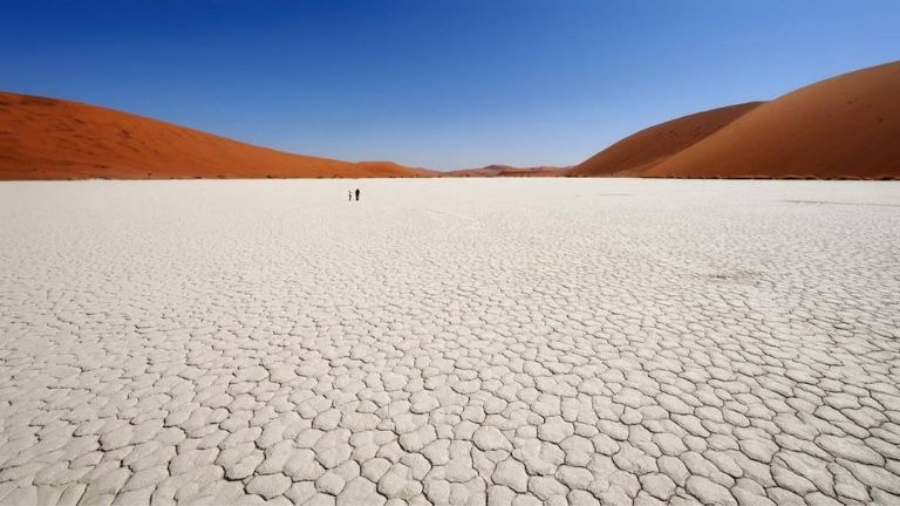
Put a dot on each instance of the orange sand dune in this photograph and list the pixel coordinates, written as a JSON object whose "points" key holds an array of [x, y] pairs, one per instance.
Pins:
{"points": [[846, 127], [638, 152], [509, 171], [42, 138]]}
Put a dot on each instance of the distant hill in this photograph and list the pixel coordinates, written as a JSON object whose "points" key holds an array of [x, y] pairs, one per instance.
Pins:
{"points": [[509, 171], [45, 138], [844, 127]]}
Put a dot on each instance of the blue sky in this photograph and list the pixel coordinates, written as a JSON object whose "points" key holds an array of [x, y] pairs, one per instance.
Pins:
{"points": [[443, 84]]}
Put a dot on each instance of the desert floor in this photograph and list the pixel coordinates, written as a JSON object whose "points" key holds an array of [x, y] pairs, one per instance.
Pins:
{"points": [[450, 341]]}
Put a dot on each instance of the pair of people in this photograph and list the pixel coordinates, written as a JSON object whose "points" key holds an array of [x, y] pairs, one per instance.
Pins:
{"points": [[350, 195]]}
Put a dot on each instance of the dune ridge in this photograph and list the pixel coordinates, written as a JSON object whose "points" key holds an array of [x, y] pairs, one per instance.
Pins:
{"points": [[646, 148], [44, 138]]}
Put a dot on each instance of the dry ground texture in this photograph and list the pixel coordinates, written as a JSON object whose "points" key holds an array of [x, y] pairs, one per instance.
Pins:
{"points": [[450, 342]]}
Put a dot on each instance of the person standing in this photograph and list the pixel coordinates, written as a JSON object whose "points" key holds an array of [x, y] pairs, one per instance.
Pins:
{"points": [[349, 195], [357, 194]]}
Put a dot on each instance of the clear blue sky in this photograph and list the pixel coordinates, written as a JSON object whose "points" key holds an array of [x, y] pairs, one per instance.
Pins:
{"points": [[443, 84]]}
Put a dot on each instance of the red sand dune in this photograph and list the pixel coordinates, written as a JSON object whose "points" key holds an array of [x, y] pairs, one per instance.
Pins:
{"points": [[638, 152], [844, 127], [509, 171], [42, 138]]}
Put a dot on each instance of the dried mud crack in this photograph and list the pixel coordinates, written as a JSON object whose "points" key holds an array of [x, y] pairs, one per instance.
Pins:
{"points": [[245, 342]]}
